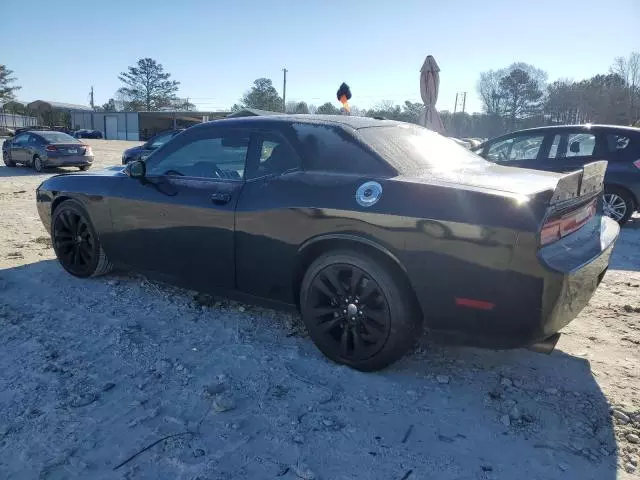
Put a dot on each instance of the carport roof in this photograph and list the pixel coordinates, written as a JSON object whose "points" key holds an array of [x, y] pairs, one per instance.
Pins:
{"points": [[44, 104]]}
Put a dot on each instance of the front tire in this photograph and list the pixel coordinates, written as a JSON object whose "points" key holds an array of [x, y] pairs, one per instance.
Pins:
{"points": [[6, 158], [618, 204], [38, 166], [356, 311], [76, 243]]}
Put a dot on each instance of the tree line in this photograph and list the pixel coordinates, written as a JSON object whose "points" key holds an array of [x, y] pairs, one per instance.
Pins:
{"points": [[514, 97], [145, 87]]}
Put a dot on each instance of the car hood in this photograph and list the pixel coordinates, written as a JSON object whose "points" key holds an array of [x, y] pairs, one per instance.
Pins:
{"points": [[114, 171], [489, 176], [132, 150]]}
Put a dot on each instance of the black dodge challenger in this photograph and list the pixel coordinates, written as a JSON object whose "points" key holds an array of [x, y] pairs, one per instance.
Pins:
{"points": [[373, 229]]}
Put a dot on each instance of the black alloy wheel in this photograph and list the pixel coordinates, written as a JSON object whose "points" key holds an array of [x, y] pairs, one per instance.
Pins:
{"points": [[75, 242], [355, 311]]}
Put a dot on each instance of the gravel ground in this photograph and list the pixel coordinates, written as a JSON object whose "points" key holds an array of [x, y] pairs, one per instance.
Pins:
{"points": [[118, 377]]}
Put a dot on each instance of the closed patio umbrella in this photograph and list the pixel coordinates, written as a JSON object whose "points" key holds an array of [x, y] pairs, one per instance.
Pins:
{"points": [[429, 86]]}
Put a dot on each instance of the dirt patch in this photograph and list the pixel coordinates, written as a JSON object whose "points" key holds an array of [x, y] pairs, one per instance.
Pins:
{"points": [[119, 377]]}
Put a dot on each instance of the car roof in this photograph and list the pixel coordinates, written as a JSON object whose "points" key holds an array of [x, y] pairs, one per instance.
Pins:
{"points": [[587, 127], [583, 126], [336, 120]]}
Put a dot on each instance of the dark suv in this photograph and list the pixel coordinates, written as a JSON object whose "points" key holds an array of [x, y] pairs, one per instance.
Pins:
{"points": [[567, 148]]}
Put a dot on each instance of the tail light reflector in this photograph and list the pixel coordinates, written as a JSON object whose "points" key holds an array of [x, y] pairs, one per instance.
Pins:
{"points": [[637, 163], [556, 228], [51, 148]]}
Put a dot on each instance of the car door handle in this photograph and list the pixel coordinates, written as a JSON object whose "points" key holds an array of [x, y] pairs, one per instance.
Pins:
{"points": [[220, 198]]}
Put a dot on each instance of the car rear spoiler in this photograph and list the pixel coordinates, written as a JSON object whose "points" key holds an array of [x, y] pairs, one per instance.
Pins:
{"points": [[581, 183]]}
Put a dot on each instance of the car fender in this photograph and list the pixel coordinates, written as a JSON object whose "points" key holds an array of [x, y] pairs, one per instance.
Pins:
{"points": [[352, 238], [93, 198]]}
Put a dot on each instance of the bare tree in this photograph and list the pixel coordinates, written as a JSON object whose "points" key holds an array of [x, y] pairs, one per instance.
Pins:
{"points": [[488, 88], [629, 70]]}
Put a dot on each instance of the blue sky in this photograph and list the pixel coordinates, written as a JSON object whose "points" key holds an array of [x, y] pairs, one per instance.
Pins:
{"points": [[217, 48]]}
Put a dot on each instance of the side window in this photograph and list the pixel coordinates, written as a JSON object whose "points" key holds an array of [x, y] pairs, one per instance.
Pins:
{"points": [[581, 145], [204, 155], [33, 140], [617, 143], [516, 148], [160, 140], [276, 156], [567, 145], [555, 145], [328, 149], [20, 139]]}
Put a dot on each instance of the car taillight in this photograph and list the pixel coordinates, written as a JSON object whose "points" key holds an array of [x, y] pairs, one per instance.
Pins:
{"points": [[51, 148], [556, 228], [637, 163], [87, 150]]}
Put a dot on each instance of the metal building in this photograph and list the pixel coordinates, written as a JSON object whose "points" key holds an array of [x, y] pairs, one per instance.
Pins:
{"points": [[138, 125]]}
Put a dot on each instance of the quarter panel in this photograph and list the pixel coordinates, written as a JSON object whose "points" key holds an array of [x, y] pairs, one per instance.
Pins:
{"points": [[450, 241]]}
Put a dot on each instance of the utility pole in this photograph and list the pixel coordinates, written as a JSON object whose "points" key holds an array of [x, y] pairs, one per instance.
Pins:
{"points": [[455, 106], [93, 109], [284, 91]]}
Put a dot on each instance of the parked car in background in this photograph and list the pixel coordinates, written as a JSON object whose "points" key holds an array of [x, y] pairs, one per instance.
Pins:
{"points": [[473, 142], [41, 149], [85, 133], [462, 143], [373, 229], [569, 147], [33, 128], [142, 151]]}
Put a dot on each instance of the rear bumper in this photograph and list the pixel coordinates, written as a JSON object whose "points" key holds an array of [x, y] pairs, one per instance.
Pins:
{"points": [[68, 161], [535, 296], [578, 267]]}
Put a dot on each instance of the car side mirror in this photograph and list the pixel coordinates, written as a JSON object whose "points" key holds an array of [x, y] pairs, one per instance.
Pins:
{"points": [[136, 169]]}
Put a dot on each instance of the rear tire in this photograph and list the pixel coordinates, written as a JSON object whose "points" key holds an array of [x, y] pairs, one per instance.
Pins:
{"points": [[356, 311], [76, 243], [84, 168], [6, 158], [618, 204], [37, 164]]}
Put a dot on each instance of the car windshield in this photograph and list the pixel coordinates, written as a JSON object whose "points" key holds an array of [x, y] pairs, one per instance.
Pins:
{"points": [[409, 148], [57, 137]]}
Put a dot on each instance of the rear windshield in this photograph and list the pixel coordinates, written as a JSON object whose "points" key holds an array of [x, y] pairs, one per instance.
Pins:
{"points": [[57, 137], [410, 148]]}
